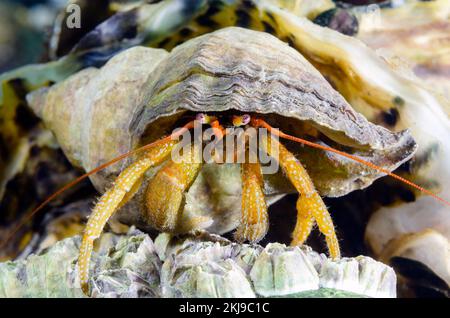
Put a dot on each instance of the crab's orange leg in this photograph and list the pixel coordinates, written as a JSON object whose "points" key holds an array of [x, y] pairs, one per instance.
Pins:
{"points": [[254, 216], [257, 122], [165, 193], [310, 204], [219, 132], [110, 201]]}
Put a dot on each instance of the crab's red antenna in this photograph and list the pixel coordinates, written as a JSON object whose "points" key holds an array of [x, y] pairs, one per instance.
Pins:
{"points": [[256, 122], [27, 217]]}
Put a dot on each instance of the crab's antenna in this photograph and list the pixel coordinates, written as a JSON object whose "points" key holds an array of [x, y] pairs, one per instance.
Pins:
{"points": [[256, 122], [27, 217]]}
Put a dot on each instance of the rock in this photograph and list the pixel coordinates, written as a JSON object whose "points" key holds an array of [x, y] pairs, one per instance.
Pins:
{"points": [[123, 267], [47, 275], [200, 265]]}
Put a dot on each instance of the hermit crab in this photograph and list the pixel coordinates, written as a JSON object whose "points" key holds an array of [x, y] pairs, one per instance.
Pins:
{"points": [[225, 79]]}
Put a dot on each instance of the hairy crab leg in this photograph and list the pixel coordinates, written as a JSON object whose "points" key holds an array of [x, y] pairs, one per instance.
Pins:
{"points": [[165, 192], [254, 216], [305, 222], [110, 201], [165, 195], [310, 204]]}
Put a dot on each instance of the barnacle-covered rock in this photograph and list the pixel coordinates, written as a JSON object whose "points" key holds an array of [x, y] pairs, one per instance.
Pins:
{"points": [[123, 267], [111, 110], [130, 270], [360, 275], [29, 278], [201, 265], [242, 270]]}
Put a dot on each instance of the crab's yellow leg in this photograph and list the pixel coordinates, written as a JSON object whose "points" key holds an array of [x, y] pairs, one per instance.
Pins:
{"points": [[110, 201], [254, 216], [165, 195], [310, 205]]}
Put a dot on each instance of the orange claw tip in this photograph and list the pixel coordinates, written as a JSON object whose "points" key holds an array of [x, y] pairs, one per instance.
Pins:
{"points": [[85, 289]]}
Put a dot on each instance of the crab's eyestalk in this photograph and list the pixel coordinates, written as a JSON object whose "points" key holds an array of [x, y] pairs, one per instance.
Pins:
{"points": [[241, 120]]}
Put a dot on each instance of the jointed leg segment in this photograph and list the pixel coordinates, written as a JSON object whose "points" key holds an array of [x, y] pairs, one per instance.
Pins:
{"points": [[164, 196], [254, 217], [305, 223], [165, 193], [110, 201]]}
